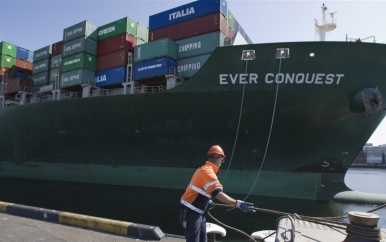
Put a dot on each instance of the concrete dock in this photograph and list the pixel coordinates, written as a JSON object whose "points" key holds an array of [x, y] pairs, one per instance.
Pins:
{"points": [[26, 223]]}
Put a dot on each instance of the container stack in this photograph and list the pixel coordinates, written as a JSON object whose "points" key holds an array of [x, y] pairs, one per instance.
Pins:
{"points": [[41, 66], [78, 63], [116, 43], [154, 60], [197, 28], [56, 63]]}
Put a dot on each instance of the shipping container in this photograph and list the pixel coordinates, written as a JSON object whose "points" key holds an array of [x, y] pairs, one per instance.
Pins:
{"points": [[7, 49], [80, 45], [57, 48], [121, 26], [41, 66], [83, 29], [187, 67], [115, 59], [14, 85], [187, 12], [231, 20], [77, 77], [111, 76], [24, 65], [42, 53], [158, 48], [22, 53], [7, 61], [56, 61], [20, 74], [31, 56], [200, 45], [116, 43], [140, 42], [142, 32], [54, 75], [78, 61], [194, 27], [40, 79], [154, 68]]}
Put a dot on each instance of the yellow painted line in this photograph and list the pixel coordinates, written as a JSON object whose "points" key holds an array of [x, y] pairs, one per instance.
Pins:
{"points": [[3, 206], [109, 225]]}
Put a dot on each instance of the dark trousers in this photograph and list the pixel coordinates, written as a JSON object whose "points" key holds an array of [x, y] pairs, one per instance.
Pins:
{"points": [[195, 230]]}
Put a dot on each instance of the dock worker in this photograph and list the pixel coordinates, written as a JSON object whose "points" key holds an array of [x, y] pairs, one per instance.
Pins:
{"points": [[197, 199]]}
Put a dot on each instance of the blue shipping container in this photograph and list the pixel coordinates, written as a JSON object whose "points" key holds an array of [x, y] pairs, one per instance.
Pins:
{"points": [[155, 67], [22, 53], [110, 77], [188, 11]]}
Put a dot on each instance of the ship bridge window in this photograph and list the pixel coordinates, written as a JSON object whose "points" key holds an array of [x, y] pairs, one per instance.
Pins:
{"points": [[248, 55], [282, 53]]}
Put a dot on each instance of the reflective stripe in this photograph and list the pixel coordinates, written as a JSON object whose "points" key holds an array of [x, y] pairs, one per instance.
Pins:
{"points": [[209, 184], [192, 207], [196, 189]]}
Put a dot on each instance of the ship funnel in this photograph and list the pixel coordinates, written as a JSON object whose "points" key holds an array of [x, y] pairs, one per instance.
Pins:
{"points": [[326, 24]]}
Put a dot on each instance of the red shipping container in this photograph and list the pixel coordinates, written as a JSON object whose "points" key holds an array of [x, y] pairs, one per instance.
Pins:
{"points": [[115, 59], [14, 85], [24, 65], [116, 43], [57, 48], [198, 26]]}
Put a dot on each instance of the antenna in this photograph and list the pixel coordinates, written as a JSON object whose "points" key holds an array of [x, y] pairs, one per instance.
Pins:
{"points": [[326, 24]]}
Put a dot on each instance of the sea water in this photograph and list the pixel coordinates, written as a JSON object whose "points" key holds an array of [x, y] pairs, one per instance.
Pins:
{"points": [[160, 207]]}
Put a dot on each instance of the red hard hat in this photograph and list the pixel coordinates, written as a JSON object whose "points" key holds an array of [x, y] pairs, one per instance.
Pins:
{"points": [[216, 150]]}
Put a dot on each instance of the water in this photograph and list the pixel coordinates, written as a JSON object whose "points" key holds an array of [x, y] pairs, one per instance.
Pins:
{"points": [[160, 207]]}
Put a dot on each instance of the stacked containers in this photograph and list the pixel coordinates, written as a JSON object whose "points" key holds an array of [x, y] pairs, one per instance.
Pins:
{"points": [[41, 66], [56, 63], [116, 43], [198, 28], [16, 62], [79, 55], [155, 59]]}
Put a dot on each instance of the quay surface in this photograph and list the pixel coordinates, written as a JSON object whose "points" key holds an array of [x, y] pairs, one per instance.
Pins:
{"points": [[26, 223]]}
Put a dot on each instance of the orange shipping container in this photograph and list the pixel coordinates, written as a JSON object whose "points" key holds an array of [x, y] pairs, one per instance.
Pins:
{"points": [[24, 65]]}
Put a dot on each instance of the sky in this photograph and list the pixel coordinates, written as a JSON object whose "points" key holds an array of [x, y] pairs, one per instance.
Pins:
{"points": [[33, 24]]}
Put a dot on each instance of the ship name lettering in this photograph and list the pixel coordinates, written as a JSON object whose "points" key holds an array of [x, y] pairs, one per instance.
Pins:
{"points": [[181, 13], [303, 78], [190, 46], [244, 78], [106, 30]]}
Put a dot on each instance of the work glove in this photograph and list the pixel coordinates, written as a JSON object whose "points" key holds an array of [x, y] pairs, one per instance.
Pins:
{"points": [[210, 205], [245, 206]]}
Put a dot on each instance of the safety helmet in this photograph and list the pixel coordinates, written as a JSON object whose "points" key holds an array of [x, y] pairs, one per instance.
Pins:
{"points": [[216, 150]]}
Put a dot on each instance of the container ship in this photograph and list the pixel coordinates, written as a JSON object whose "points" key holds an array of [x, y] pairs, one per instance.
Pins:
{"points": [[125, 104]]}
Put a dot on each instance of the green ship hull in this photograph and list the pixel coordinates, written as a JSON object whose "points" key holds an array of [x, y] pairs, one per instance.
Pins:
{"points": [[291, 119]]}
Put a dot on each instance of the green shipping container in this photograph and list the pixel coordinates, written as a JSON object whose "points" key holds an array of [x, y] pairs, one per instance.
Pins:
{"points": [[40, 66], [79, 61], [80, 45], [40, 79], [125, 25], [56, 61], [200, 45], [231, 20], [83, 29], [42, 53], [187, 67], [7, 61], [77, 77], [153, 49], [142, 32], [8, 49], [54, 75]]}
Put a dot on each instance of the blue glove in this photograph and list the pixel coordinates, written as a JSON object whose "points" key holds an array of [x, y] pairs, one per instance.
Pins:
{"points": [[210, 205], [245, 206]]}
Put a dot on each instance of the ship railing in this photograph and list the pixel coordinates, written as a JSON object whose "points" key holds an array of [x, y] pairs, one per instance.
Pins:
{"points": [[149, 89], [71, 95], [370, 39], [107, 92]]}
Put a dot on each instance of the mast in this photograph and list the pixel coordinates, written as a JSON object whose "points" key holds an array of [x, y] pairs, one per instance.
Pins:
{"points": [[326, 24]]}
